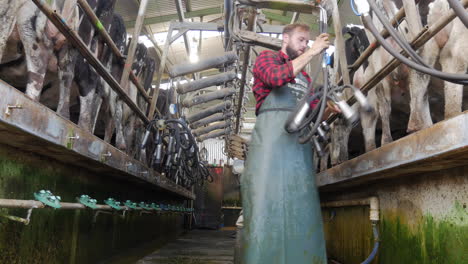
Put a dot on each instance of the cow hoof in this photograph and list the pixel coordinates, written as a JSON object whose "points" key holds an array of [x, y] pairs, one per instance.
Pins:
{"points": [[122, 147], [412, 128]]}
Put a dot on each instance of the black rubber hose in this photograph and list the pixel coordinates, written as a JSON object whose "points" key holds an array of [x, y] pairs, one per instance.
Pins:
{"points": [[308, 136], [459, 11], [459, 78], [395, 35]]}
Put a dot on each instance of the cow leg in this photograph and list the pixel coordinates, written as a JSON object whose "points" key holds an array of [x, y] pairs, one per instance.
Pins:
{"points": [[8, 11], [420, 115], [86, 115], [384, 107], [97, 103], [109, 127], [324, 159], [339, 142], [369, 122], [35, 48], [118, 118], [67, 59], [453, 59]]}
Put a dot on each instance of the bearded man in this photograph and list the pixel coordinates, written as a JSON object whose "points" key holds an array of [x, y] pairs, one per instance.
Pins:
{"points": [[282, 219]]}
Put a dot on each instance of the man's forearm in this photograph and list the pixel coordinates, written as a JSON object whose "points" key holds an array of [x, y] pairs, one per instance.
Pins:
{"points": [[300, 62]]}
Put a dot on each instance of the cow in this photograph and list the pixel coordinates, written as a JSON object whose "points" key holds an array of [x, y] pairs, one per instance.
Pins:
{"points": [[26, 32], [88, 82], [337, 150], [393, 89], [448, 48]]}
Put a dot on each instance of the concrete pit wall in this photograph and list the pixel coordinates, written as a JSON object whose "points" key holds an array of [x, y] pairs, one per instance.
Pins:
{"points": [[71, 236], [424, 219]]}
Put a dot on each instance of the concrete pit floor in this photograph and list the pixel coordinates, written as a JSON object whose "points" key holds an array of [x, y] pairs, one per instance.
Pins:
{"points": [[196, 247]]}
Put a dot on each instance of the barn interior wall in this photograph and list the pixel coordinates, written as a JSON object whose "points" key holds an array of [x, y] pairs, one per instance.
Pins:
{"points": [[71, 236], [424, 219]]}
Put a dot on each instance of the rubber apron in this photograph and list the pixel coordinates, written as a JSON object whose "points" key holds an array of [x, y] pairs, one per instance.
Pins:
{"points": [[282, 217]]}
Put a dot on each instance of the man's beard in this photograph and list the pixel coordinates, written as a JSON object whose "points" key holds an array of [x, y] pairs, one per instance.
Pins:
{"points": [[292, 54]]}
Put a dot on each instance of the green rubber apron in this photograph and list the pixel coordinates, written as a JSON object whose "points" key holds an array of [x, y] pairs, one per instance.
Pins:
{"points": [[282, 217]]}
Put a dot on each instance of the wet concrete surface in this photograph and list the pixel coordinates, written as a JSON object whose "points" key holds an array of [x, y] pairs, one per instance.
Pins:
{"points": [[196, 247]]}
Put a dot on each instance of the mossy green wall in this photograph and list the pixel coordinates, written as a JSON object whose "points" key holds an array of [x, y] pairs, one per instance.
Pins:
{"points": [[424, 219], [72, 236]]}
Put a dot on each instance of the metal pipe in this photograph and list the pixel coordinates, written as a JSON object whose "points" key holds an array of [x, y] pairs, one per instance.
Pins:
{"points": [[226, 105], [203, 130], [291, 5], [223, 93], [180, 14], [28, 204], [227, 16], [25, 204], [110, 43], [245, 66], [426, 34], [213, 134], [210, 119], [74, 39], [372, 202], [206, 82], [186, 68]]}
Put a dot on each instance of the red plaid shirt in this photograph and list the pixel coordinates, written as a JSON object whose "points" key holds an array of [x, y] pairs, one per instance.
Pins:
{"points": [[272, 70]]}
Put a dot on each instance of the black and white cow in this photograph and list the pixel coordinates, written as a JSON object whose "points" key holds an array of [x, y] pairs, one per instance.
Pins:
{"points": [[393, 89], [88, 82]]}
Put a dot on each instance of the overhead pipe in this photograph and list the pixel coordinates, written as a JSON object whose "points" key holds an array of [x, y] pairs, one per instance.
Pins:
{"points": [[226, 105], [203, 130], [206, 82], [213, 62], [211, 119], [214, 134], [196, 100], [291, 5]]}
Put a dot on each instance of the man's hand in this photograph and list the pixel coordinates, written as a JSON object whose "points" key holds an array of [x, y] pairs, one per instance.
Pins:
{"points": [[331, 109], [321, 42]]}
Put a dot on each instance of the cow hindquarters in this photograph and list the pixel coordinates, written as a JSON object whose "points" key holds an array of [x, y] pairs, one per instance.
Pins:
{"points": [[36, 47], [453, 59], [8, 9]]}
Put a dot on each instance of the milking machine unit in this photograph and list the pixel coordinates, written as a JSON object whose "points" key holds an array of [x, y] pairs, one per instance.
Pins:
{"points": [[307, 121], [175, 152]]}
